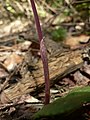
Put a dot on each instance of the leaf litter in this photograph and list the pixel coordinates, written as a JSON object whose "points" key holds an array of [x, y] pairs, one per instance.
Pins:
{"points": [[23, 65]]}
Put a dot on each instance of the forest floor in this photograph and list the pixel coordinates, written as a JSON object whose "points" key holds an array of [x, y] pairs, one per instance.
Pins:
{"points": [[21, 71], [22, 86]]}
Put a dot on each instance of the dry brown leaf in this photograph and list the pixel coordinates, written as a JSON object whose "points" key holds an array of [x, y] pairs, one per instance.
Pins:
{"points": [[74, 41], [12, 61]]}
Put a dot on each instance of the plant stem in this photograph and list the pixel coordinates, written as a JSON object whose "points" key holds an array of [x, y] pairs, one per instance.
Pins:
{"points": [[43, 52]]}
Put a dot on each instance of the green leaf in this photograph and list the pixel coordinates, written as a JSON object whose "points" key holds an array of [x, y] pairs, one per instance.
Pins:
{"points": [[64, 106]]}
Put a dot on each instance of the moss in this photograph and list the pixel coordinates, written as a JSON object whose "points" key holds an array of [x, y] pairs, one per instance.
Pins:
{"points": [[58, 34]]}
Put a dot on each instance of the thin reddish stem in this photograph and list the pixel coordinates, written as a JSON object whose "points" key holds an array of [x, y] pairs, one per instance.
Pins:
{"points": [[39, 31], [43, 53]]}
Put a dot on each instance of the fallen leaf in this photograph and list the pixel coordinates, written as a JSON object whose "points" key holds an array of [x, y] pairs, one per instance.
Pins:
{"points": [[11, 62], [75, 41]]}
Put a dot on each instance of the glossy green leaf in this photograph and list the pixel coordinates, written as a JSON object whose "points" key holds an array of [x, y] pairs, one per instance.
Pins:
{"points": [[67, 104]]}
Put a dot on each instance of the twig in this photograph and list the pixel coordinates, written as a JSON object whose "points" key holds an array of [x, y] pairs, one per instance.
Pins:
{"points": [[49, 7], [81, 1], [71, 7]]}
